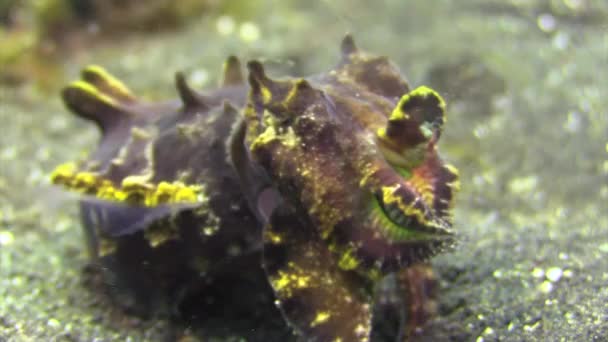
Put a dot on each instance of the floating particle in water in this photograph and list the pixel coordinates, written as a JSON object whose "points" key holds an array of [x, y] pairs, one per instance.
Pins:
{"points": [[546, 22], [554, 274], [225, 25], [249, 32], [6, 238]]}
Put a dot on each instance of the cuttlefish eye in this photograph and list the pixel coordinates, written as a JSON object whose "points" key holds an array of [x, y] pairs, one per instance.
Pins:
{"points": [[393, 213], [402, 218], [414, 193]]}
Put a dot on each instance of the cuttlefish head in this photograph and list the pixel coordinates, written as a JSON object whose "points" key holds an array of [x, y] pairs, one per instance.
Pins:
{"points": [[354, 153]]}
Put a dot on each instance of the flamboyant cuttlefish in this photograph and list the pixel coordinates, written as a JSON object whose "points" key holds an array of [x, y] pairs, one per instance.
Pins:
{"points": [[324, 186]]}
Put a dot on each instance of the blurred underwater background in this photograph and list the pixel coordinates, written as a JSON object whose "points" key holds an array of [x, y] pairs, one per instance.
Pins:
{"points": [[527, 125]]}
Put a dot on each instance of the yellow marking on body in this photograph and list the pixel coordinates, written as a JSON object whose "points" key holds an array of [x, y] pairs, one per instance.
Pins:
{"points": [[163, 193], [266, 94], [455, 185], [369, 170], [140, 134], [381, 133], [107, 191], [423, 186], [286, 282], [290, 139], [389, 197], [63, 173], [269, 133], [107, 246], [424, 92], [273, 237], [115, 84], [289, 281], [85, 181], [397, 114], [185, 193], [302, 281], [282, 282], [159, 233], [136, 182], [93, 92], [135, 189], [263, 139], [362, 331], [320, 318], [348, 261], [293, 92]]}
